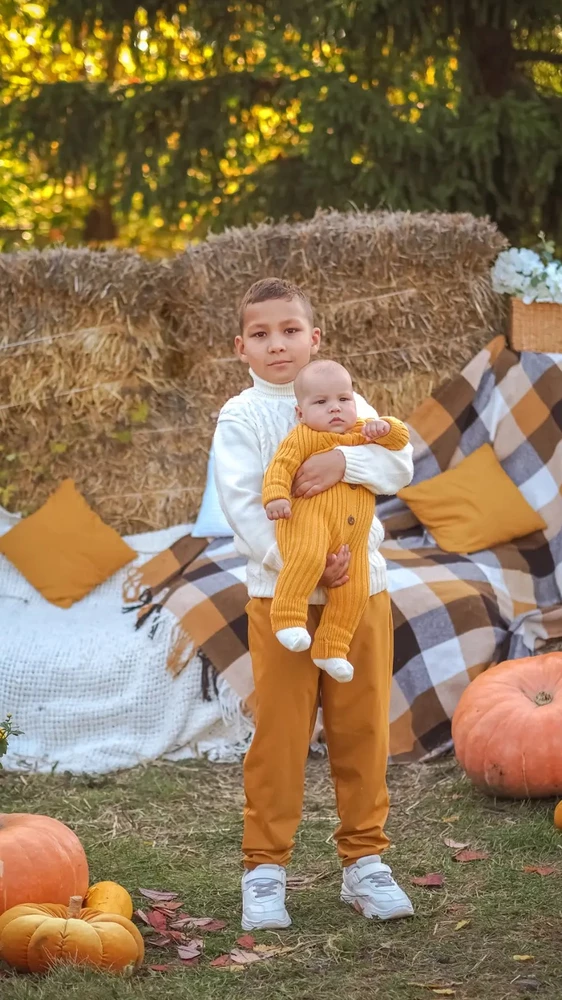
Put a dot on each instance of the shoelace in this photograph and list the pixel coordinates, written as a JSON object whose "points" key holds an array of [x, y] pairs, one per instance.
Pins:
{"points": [[264, 888], [380, 879]]}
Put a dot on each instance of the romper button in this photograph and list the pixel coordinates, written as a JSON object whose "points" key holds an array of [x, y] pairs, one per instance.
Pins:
{"points": [[353, 486], [351, 519]]}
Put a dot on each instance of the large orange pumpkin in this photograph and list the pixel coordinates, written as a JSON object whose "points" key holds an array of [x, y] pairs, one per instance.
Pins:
{"points": [[507, 728], [35, 937], [41, 861]]}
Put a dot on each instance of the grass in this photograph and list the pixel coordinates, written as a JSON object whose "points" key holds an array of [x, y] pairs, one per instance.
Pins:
{"points": [[178, 827]]}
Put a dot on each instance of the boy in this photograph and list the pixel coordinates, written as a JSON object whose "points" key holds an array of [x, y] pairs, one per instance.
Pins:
{"points": [[309, 529], [277, 339]]}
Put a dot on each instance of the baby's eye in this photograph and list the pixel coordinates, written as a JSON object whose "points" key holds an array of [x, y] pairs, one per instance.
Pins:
{"points": [[259, 333], [319, 402], [291, 329], [344, 399]]}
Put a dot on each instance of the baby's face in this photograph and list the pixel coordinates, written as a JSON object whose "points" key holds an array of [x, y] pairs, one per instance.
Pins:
{"points": [[327, 403]]}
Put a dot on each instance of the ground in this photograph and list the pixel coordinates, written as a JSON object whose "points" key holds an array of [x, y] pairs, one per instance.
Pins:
{"points": [[177, 827]]}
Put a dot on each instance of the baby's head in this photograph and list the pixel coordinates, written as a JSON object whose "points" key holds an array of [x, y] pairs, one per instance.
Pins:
{"points": [[277, 332], [325, 397]]}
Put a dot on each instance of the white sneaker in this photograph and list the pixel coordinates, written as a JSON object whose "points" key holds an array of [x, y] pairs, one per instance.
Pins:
{"points": [[263, 898], [341, 670], [369, 887], [294, 639]]}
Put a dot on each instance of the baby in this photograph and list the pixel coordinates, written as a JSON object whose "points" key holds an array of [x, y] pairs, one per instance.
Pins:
{"points": [[309, 529]]}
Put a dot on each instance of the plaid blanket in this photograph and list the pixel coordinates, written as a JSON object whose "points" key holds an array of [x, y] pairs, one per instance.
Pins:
{"points": [[454, 615]]}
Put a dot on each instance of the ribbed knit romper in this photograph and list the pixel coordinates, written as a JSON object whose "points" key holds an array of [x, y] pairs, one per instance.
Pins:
{"points": [[318, 526]]}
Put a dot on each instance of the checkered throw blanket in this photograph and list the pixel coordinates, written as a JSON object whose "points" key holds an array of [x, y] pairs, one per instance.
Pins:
{"points": [[454, 615]]}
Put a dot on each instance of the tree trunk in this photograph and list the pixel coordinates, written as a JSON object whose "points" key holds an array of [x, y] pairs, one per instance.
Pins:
{"points": [[489, 70], [99, 226]]}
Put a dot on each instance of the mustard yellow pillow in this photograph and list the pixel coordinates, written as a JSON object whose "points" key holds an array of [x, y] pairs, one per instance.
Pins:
{"points": [[473, 506], [64, 549]]}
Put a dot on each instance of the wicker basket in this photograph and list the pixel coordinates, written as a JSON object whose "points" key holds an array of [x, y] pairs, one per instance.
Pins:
{"points": [[536, 327]]}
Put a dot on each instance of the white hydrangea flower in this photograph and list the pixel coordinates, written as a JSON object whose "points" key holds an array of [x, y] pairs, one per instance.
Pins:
{"points": [[522, 273]]}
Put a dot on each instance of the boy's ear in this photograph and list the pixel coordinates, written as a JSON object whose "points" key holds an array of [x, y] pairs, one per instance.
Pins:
{"points": [[239, 348], [316, 338], [298, 412]]}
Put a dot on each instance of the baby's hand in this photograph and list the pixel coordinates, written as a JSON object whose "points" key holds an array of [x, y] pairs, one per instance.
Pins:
{"points": [[374, 429], [276, 510]]}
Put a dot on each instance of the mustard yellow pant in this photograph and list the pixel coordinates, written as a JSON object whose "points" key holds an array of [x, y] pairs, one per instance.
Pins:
{"points": [[356, 722], [340, 516]]}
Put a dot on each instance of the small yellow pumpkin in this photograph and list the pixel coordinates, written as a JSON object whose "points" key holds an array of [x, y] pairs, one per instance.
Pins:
{"points": [[109, 897], [558, 816], [34, 937]]}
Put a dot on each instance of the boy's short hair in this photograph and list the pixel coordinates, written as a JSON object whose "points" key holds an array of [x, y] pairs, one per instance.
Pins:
{"points": [[273, 288]]}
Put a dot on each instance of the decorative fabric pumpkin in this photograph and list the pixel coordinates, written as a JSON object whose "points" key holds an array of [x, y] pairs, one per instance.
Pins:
{"points": [[41, 861], [109, 897], [507, 728], [558, 816], [35, 937]]}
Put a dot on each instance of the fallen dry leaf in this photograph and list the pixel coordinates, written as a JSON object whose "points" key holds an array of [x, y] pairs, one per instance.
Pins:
{"points": [[190, 950], [141, 915], [455, 844], [450, 819], [159, 942], [461, 924], [157, 896], [221, 961], [523, 958], [169, 908], [540, 869], [240, 957], [269, 950], [157, 920], [464, 856], [160, 968], [432, 881], [527, 983], [207, 923], [304, 881], [177, 936], [246, 941]]}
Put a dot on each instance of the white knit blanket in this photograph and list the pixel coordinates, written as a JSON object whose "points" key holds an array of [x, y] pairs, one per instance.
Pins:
{"points": [[91, 694]]}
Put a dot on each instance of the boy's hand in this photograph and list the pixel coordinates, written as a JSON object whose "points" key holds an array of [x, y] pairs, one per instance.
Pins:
{"points": [[277, 510], [374, 429], [319, 473], [335, 574]]}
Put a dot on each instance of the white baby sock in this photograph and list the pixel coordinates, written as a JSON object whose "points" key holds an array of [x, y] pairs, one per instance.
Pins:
{"points": [[340, 670], [295, 639]]}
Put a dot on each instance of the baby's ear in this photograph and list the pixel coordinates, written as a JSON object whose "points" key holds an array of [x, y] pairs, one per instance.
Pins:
{"points": [[298, 412]]}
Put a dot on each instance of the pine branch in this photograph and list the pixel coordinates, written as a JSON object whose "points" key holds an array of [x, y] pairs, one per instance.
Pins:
{"points": [[537, 55]]}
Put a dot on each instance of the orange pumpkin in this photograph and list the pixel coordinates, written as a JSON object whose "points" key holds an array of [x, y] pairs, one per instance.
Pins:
{"points": [[109, 897], [35, 937], [41, 861], [507, 728], [558, 816]]}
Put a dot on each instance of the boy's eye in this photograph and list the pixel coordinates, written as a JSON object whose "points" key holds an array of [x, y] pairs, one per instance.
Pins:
{"points": [[291, 329], [319, 402], [259, 333]]}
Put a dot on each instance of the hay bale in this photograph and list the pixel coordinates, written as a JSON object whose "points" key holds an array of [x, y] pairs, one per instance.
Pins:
{"points": [[112, 367]]}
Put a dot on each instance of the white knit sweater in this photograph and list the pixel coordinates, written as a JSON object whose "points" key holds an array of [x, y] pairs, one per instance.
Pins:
{"points": [[250, 428]]}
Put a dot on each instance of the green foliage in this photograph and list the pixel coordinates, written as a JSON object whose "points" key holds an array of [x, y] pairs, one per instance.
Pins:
{"points": [[7, 729], [195, 116]]}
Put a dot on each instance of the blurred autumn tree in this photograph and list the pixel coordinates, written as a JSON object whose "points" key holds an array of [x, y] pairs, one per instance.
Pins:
{"points": [[152, 124]]}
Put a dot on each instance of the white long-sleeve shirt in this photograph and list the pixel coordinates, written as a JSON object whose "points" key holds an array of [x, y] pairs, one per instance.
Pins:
{"points": [[250, 428]]}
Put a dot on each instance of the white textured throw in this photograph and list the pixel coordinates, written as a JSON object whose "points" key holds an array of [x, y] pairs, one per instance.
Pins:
{"points": [[91, 694]]}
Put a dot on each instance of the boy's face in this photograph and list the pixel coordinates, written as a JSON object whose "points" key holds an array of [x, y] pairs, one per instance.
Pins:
{"points": [[278, 339]]}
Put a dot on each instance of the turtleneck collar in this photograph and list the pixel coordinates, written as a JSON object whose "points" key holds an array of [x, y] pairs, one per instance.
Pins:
{"points": [[270, 389]]}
